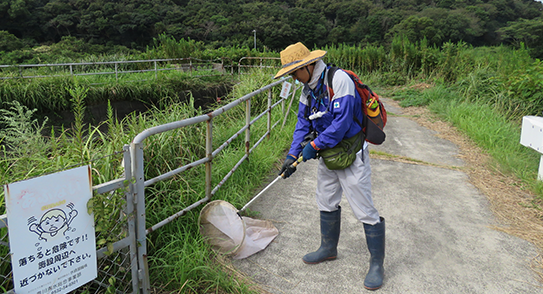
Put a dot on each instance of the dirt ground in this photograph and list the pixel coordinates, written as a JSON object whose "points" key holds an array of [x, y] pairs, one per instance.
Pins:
{"points": [[517, 211]]}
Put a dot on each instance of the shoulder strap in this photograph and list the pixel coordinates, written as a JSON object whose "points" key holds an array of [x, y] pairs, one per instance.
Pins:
{"points": [[331, 71], [307, 109]]}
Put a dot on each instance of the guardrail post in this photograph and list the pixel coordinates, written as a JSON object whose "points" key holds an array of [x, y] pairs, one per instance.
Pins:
{"points": [[248, 124], [270, 94], [71, 70], [283, 106], [156, 71], [136, 150], [285, 113], [209, 155], [129, 211], [116, 72]]}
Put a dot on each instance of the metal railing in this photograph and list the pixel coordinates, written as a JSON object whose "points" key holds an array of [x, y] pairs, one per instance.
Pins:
{"points": [[264, 62], [131, 251], [116, 68]]}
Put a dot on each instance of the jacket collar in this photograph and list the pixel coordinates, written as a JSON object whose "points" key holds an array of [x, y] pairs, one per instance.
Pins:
{"points": [[320, 66]]}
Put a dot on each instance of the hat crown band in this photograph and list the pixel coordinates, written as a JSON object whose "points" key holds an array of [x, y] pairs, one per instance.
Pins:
{"points": [[292, 63]]}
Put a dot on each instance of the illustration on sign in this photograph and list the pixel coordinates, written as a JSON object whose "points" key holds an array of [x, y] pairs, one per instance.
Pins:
{"points": [[52, 238], [52, 222]]}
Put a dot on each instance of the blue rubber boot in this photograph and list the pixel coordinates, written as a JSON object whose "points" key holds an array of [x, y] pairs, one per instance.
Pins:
{"points": [[330, 227], [375, 237]]}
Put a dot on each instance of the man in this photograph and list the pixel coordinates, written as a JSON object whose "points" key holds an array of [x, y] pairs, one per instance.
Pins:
{"points": [[330, 120]]}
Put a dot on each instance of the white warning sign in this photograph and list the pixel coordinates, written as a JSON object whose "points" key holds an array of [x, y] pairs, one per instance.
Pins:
{"points": [[51, 234], [285, 90]]}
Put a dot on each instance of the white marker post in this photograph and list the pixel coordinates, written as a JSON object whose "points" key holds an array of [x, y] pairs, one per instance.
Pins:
{"points": [[532, 136]]}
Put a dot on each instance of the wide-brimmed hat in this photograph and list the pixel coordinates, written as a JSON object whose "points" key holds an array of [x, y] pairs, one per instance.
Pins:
{"points": [[296, 56]]}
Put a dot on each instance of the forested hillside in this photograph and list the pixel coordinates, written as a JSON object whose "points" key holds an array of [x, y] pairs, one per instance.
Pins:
{"points": [[218, 23]]}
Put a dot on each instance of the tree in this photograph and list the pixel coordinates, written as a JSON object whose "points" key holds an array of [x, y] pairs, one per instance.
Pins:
{"points": [[525, 31], [309, 27], [9, 42]]}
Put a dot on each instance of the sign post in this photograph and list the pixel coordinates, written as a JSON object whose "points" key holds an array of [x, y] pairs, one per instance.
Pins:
{"points": [[51, 234]]}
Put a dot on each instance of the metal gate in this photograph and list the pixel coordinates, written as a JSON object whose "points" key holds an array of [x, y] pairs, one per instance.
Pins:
{"points": [[123, 263]]}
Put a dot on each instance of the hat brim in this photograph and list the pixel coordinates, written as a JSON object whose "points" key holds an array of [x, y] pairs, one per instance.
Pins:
{"points": [[312, 57]]}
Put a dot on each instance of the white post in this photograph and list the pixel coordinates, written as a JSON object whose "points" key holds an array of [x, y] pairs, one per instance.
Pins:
{"points": [[540, 173], [254, 31], [532, 136]]}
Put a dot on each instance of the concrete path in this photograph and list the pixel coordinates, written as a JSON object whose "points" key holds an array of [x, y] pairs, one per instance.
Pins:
{"points": [[439, 235]]}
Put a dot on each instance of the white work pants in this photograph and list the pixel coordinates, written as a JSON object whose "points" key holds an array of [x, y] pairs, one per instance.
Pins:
{"points": [[354, 181]]}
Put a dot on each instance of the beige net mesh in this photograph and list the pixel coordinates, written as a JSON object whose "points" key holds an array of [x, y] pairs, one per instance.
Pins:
{"points": [[229, 233]]}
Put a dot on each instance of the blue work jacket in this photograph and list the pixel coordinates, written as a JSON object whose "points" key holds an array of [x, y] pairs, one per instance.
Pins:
{"points": [[333, 119]]}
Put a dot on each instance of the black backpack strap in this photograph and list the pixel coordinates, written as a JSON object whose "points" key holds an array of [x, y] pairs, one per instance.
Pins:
{"points": [[306, 90], [331, 71]]}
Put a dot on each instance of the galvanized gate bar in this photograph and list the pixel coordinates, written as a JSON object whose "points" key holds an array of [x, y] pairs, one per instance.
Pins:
{"points": [[269, 112], [136, 151], [230, 173], [130, 213], [175, 171], [248, 123], [123, 243], [197, 119], [109, 186], [229, 140], [136, 148]]}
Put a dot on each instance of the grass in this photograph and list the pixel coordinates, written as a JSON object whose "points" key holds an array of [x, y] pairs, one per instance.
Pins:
{"points": [[52, 94], [178, 257], [490, 125], [498, 136], [477, 95]]}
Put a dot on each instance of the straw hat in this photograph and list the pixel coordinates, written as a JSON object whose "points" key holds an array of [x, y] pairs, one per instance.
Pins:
{"points": [[296, 56]]}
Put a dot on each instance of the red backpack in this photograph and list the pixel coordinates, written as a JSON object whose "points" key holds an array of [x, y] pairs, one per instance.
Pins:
{"points": [[371, 105]]}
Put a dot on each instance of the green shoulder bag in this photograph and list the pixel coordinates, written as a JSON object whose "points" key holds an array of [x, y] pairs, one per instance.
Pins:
{"points": [[344, 153]]}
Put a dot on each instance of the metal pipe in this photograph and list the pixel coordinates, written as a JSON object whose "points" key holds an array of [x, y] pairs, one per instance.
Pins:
{"points": [[175, 171], [209, 151], [137, 163], [289, 106], [197, 119], [136, 150], [116, 63], [230, 173], [270, 94], [248, 125]]}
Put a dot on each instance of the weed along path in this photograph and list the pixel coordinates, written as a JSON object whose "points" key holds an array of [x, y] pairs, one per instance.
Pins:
{"points": [[445, 232]]}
